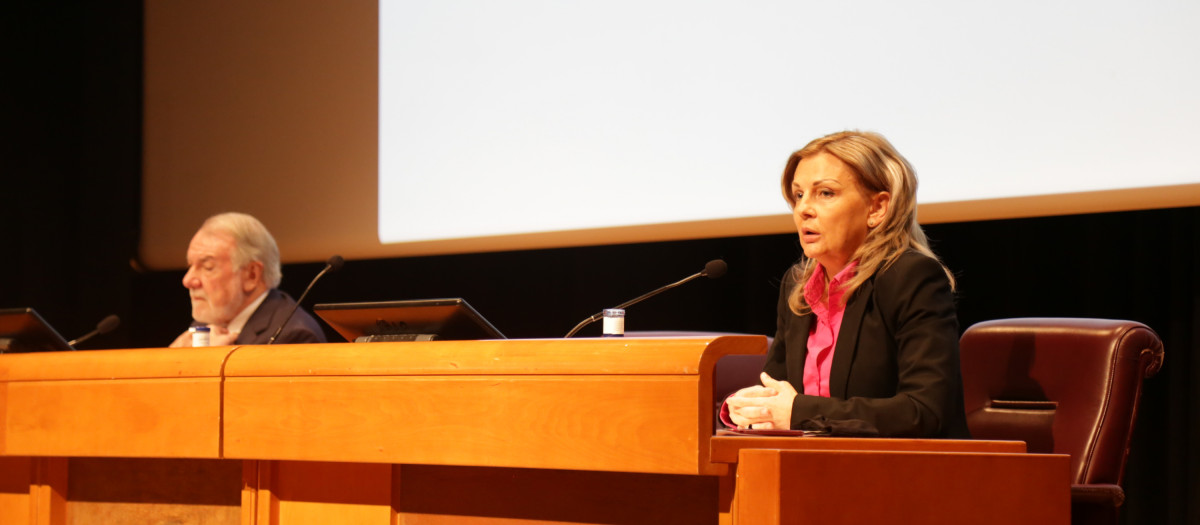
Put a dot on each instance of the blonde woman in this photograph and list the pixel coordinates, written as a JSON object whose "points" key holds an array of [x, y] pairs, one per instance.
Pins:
{"points": [[867, 328]]}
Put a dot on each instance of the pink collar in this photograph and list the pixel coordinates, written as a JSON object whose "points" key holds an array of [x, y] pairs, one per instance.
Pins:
{"points": [[814, 289]]}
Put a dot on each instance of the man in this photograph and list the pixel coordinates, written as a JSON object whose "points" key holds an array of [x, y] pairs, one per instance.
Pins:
{"points": [[232, 278]]}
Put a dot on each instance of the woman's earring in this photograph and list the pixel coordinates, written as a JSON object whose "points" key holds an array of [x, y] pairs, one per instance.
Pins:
{"points": [[871, 223]]}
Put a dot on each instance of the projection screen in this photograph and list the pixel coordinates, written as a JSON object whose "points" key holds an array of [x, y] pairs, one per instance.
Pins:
{"points": [[408, 128]]}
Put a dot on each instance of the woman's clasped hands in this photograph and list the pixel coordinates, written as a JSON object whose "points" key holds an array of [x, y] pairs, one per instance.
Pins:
{"points": [[763, 407]]}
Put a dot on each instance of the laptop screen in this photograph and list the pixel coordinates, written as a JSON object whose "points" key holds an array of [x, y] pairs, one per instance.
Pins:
{"points": [[23, 330], [408, 320]]}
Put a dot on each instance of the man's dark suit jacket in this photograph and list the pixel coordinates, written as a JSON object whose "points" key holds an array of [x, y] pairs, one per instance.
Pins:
{"points": [[261, 325], [895, 364]]}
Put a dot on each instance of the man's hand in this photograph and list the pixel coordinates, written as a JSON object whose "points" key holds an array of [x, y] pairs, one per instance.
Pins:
{"points": [[217, 336], [183, 341], [221, 336]]}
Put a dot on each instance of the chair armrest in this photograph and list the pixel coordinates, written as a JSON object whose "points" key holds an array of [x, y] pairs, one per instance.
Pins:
{"points": [[1098, 494]]}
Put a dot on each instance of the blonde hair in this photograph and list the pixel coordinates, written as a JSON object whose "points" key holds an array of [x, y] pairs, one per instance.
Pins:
{"points": [[252, 242], [877, 167]]}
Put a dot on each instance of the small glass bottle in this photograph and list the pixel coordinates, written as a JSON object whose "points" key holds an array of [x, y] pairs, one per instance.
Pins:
{"points": [[614, 322], [200, 335]]}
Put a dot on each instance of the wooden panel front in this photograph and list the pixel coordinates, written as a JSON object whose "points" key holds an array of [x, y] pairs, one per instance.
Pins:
{"points": [[319, 493], [16, 477], [852, 487], [438, 495], [119, 417], [48, 491], [141, 403], [634, 405], [635, 424]]}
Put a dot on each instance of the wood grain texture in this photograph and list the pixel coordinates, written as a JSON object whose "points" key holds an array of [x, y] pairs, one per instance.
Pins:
{"points": [[725, 448], [259, 503], [934, 488], [117, 417], [634, 405], [3, 417], [48, 492], [588, 356], [437, 495], [114, 364], [141, 403], [16, 477], [319, 493], [758, 497], [635, 424]]}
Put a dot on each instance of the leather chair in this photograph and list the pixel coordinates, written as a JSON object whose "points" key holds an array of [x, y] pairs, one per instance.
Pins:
{"points": [[1064, 386]]}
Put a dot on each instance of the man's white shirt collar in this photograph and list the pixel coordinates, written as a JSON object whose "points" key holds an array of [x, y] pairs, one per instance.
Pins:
{"points": [[239, 321]]}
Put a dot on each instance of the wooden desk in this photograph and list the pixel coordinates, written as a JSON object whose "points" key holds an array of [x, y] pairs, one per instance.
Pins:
{"points": [[830, 480], [545, 431]]}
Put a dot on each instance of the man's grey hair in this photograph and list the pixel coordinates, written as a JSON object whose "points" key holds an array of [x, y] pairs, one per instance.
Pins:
{"points": [[252, 242]]}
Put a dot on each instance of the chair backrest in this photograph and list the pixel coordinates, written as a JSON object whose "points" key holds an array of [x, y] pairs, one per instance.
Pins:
{"points": [[730, 373], [1062, 385]]}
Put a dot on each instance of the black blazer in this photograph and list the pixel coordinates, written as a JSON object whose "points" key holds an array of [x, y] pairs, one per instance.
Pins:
{"points": [[895, 364], [261, 325]]}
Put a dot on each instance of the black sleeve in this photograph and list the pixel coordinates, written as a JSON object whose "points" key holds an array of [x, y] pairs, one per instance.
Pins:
{"points": [[301, 328], [776, 365]]}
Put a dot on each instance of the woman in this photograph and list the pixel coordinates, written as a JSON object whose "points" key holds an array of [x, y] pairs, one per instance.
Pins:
{"points": [[867, 328]]}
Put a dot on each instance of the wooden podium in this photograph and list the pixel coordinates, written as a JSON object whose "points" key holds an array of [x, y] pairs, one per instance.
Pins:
{"points": [[521, 431]]}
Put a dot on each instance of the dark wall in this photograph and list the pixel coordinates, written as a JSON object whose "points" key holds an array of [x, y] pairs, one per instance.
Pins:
{"points": [[72, 161], [71, 177]]}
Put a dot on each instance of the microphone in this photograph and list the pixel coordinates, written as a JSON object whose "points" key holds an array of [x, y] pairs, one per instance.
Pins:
{"points": [[105, 326], [713, 269], [333, 264]]}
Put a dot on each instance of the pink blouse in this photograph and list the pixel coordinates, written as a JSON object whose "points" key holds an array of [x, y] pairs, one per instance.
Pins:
{"points": [[822, 337]]}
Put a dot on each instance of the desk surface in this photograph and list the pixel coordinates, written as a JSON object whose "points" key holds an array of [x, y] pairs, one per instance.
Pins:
{"points": [[724, 447]]}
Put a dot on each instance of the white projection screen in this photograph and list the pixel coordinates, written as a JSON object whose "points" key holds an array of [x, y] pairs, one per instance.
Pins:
{"points": [[406, 128]]}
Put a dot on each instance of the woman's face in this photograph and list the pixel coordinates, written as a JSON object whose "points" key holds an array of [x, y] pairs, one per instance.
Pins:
{"points": [[832, 213]]}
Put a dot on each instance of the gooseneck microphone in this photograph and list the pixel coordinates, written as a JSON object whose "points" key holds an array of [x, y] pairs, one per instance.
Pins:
{"points": [[333, 264], [713, 269], [105, 326]]}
